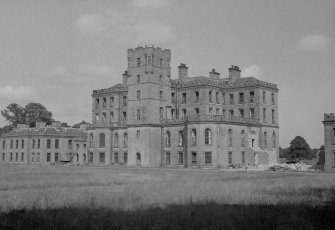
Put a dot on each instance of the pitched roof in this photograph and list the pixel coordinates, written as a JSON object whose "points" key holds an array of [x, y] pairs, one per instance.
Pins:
{"points": [[115, 88], [46, 131]]}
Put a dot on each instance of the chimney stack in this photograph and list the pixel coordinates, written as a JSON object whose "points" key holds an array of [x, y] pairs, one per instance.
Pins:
{"points": [[214, 74], [183, 71], [21, 126], [234, 72], [125, 78], [56, 124]]}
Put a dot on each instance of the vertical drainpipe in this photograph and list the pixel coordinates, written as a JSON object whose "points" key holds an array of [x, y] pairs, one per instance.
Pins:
{"points": [[185, 136]]}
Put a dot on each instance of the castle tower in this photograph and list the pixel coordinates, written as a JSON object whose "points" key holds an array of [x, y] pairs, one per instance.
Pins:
{"points": [[149, 100]]}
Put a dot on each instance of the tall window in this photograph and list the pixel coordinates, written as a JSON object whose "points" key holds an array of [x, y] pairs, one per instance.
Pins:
{"points": [[231, 113], [97, 118], [208, 137], [91, 157], [17, 144], [125, 140], [111, 102], [116, 140], [241, 98], [194, 136], [242, 113], [243, 157], [33, 143], [173, 97], [217, 97], [56, 157], [91, 140], [161, 113], [102, 139], [22, 144], [264, 115], [274, 139], [242, 138], [230, 158], [48, 157], [194, 158], [124, 101], [273, 117], [252, 113], [210, 111], [22, 157], [125, 157], [273, 98], [138, 95], [102, 158], [38, 143], [138, 114], [149, 60], [16, 157], [210, 96], [161, 95], [251, 96], [231, 99], [264, 97], [104, 101], [111, 117], [230, 137], [265, 139], [167, 139], [138, 133], [3, 156], [167, 158], [104, 117], [97, 103], [56, 144], [180, 158], [11, 144], [38, 157], [138, 62], [48, 144], [224, 114], [196, 110], [196, 99], [116, 157], [223, 98], [180, 142], [3, 144], [11, 157], [183, 101], [208, 158]]}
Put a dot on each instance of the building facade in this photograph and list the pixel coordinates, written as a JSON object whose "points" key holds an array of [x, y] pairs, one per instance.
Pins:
{"points": [[43, 145], [152, 120], [329, 134]]}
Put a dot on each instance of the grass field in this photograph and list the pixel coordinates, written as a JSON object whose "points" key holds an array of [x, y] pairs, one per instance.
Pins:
{"points": [[131, 198]]}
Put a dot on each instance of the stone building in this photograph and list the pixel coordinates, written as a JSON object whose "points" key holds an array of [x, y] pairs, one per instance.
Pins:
{"points": [[43, 144], [152, 120], [329, 132]]}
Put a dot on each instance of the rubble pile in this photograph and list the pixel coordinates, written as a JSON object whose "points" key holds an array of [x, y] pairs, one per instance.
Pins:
{"points": [[300, 166]]}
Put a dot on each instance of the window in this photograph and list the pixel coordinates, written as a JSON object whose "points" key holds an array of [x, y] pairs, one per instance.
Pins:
{"points": [[70, 144], [17, 144], [138, 95], [116, 157], [264, 115], [48, 157], [124, 120], [208, 137], [194, 158], [138, 62], [196, 99], [102, 139], [217, 97], [101, 157], [56, 144], [125, 140], [91, 140], [230, 138], [265, 140], [161, 95], [210, 96], [196, 110], [180, 139], [333, 141], [104, 102], [16, 157], [11, 157], [217, 111], [241, 113], [241, 98], [77, 157], [22, 144], [111, 102], [124, 101], [230, 158], [167, 139], [38, 143], [208, 158], [91, 157], [56, 157], [273, 98], [104, 117], [3, 156], [252, 113], [77, 146], [180, 158], [223, 98], [251, 96], [173, 97], [183, 101], [125, 157], [138, 133], [231, 99], [38, 157], [160, 113], [183, 113], [97, 103], [273, 116], [242, 138], [194, 136], [116, 140], [48, 144], [32, 157], [3, 144], [138, 114], [11, 144], [167, 158], [243, 157], [264, 97], [224, 114], [231, 114], [274, 139], [97, 118], [33, 144], [111, 117], [210, 111]]}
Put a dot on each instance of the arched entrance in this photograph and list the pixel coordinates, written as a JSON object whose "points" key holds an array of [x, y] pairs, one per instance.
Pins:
{"points": [[138, 159]]}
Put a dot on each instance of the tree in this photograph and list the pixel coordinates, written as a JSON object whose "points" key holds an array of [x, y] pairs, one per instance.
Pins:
{"points": [[6, 129], [299, 149], [14, 113]]}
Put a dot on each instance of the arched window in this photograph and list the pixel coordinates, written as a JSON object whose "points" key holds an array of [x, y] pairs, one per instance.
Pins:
{"points": [[167, 139], [242, 138], [125, 140], [194, 136], [102, 140], [116, 140], [230, 137], [91, 140], [274, 139], [265, 139], [208, 137]]}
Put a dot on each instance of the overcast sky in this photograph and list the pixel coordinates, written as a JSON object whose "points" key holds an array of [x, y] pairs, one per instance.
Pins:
{"points": [[57, 52]]}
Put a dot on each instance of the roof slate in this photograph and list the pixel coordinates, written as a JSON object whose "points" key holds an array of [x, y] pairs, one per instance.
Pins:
{"points": [[46, 131]]}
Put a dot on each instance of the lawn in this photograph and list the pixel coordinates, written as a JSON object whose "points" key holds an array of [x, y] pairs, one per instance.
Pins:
{"points": [[141, 197]]}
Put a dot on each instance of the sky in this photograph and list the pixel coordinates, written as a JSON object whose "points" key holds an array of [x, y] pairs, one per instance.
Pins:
{"points": [[57, 52]]}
